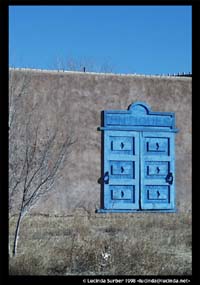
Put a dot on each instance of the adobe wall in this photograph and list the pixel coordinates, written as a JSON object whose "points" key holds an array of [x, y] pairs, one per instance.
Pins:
{"points": [[82, 97]]}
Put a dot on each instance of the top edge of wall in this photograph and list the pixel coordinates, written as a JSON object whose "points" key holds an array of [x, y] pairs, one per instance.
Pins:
{"points": [[101, 73]]}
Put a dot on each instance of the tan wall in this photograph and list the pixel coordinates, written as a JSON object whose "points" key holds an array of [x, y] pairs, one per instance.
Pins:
{"points": [[81, 97]]}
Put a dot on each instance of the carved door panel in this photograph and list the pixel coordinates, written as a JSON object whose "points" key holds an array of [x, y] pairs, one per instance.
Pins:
{"points": [[157, 171], [121, 170]]}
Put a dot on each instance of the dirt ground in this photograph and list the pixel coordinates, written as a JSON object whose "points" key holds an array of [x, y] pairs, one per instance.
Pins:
{"points": [[103, 244]]}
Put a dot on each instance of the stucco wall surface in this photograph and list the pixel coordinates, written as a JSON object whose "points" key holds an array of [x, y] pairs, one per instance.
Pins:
{"points": [[81, 97]]}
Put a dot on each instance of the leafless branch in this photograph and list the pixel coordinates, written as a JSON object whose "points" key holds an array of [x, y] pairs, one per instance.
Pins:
{"points": [[37, 153]]}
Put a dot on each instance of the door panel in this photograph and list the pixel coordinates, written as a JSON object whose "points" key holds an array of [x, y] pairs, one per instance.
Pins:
{"points": [[122, 144], [121, 170], [122, 192], [157, 193], [156, 145], [157, 171]]}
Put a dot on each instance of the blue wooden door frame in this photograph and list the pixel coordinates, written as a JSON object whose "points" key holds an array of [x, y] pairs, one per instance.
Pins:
{"points": [[138, 160]]}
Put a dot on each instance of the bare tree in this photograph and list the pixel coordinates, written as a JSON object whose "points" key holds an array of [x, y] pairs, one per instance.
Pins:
{"points": [[60, 64], [86, 64], [107, 66], [37, 152]]}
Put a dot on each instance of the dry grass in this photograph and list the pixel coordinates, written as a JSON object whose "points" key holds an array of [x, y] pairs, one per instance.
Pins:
{"points": [[135, 244]]}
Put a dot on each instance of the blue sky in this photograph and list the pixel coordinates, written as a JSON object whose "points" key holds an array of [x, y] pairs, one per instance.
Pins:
{"points": [[127, 39]]}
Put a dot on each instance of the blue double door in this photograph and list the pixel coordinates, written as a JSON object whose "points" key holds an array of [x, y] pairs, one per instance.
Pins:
{"points": [[138, 170]]}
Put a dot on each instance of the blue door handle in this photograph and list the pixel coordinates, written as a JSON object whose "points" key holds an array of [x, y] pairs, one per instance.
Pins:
{"points": [[169, 178], [106, 178]]}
